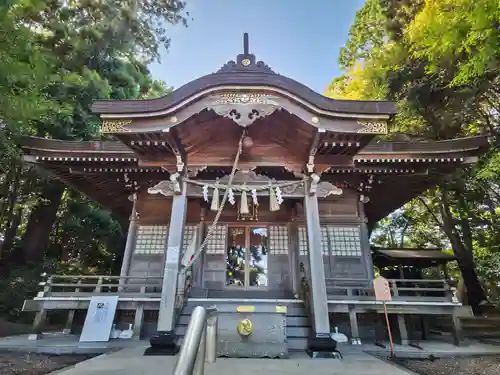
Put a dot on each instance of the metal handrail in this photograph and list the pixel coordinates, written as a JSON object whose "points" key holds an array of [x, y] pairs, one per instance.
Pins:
{"points": [[200, 342]]}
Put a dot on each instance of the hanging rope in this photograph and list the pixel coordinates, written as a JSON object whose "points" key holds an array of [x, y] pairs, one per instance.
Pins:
{"points": [[219, 212]]}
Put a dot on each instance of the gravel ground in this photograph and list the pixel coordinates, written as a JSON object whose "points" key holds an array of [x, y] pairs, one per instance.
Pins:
{"points": [[12, 363], [484, 365]]}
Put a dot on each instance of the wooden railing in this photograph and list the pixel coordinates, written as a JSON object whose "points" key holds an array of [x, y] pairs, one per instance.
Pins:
{"points": [[337, 289], [402, 290], [90, 285]]}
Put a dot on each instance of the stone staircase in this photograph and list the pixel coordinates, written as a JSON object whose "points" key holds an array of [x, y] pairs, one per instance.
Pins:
{"points": [[297, 325]]}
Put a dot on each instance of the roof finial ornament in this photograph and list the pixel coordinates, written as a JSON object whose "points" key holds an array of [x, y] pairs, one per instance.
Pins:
{"points": [[245, 44], [245, 62]]}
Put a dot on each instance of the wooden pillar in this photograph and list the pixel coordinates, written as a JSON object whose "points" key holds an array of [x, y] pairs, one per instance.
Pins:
{"points": [[166, 315], [353, 320], [138, 320], [319, 301], [71, 315], [365, 241], [456, 328], [41, 316], [403, 331], [293, 257], [38, 325], [131, 239], [69, 322], [198, 265]]}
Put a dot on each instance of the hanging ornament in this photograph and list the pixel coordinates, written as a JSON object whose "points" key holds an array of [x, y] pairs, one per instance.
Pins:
{"points": [[205, 193], [244, 204], [215, 200], [273, 202], [279, 196], [230, 197], [254, 197]]}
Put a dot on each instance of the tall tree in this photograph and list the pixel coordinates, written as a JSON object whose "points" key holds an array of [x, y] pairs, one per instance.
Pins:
{"points": [[435, 62], [100, 50]]}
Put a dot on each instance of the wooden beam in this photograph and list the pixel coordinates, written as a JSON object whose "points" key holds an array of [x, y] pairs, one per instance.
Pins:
{"points": [[175, 144], [313, 149]]}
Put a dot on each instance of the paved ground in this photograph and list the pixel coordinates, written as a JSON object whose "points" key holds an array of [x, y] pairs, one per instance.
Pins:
{"points": [[36, 364], [129, 359], [131, 362], [483, 365]]}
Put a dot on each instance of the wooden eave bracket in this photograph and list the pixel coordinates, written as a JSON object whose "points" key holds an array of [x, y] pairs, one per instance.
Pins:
{"points": [[175, 144], [313, 149]]}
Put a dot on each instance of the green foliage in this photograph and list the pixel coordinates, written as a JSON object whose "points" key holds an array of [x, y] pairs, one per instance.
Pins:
{"points": [[56, 58], [366, 35], [460, 35], [439, 60], [22, 283]]}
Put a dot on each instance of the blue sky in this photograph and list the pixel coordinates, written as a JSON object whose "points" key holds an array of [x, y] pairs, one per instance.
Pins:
{"points": [[299, 39]]}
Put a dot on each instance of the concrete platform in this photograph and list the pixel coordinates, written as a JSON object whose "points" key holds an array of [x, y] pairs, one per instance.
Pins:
{"points": [[131, 362], [435, 348], [125, 357], [56, 343]]}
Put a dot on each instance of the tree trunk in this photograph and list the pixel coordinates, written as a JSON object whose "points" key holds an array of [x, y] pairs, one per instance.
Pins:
{"points": [[10, 233], [8, 208], [40, 222], [463, 253]]}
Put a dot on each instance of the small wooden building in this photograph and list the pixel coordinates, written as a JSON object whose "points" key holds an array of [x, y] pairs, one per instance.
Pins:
{"points": [[265, 174]]}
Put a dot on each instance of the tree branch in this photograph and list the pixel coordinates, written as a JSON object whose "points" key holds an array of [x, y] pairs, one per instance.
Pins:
{"points": [[432, 213]]}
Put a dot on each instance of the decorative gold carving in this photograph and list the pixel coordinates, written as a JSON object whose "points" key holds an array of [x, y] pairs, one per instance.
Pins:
{"points": [[114, 126], [173, 119], [243, 98], [315, 120], [244, 108], [373, 127], [245, 62]]}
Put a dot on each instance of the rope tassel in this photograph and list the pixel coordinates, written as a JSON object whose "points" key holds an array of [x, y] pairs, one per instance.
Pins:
{"points": [[244, 204], [215, 200], [273, 201]]}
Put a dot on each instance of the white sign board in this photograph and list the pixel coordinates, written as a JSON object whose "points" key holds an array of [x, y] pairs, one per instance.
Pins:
{"points": [[382, 289], [99, 319]]}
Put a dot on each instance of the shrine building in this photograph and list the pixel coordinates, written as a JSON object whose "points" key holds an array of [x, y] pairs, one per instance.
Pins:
{"points": [[247, 190]]}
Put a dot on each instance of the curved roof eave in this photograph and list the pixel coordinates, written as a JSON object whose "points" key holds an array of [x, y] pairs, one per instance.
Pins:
{"points": [[239, 74]]}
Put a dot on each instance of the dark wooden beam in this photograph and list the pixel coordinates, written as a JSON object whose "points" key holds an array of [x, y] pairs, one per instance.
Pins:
{"points": [[174, 142], [313, 150]]}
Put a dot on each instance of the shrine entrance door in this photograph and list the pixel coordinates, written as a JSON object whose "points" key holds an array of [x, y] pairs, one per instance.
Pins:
{"points": [[247, 257]]}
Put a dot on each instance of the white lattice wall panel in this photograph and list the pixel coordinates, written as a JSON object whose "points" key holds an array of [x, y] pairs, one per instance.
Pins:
{"points": [[324, 240], [278, 239], [151, 239], [303, 245], [345, 241], [217, 241], [189, 231]]}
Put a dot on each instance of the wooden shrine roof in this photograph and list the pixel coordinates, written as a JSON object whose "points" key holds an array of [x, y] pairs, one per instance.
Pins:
{"points": [[245, 72], [108, 171], [291, 130], [422, 258]]}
